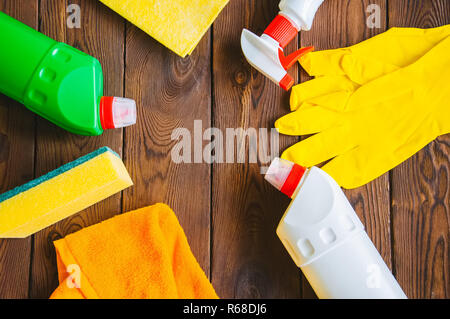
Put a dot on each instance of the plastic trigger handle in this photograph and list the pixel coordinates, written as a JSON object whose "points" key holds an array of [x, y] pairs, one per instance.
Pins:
{"points": [[288, 61]]}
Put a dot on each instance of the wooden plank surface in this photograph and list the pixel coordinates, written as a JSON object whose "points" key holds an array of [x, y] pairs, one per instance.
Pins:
{"points": [[248, 259], [229, 213], [340, 24], [17, 128], [171, 93], [420, 187]]}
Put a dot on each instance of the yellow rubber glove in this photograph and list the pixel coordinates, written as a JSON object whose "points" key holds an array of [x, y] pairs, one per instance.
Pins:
{"points": [[383, 123], [340, 72]]}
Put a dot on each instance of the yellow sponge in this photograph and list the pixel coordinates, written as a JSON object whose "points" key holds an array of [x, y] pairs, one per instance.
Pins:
{"points": [[65, 191], [178, 24]]}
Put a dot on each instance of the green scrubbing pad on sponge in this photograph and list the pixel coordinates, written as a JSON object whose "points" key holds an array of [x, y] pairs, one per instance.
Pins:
{"points": [[67, 190]]}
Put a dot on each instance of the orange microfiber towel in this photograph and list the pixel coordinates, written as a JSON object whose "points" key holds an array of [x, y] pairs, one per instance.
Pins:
{"points": [[140, 254]]}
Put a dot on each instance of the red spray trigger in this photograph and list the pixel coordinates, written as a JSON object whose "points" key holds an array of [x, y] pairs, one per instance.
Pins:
{"points": [[288, 61], [287, 82], [266, 52]]}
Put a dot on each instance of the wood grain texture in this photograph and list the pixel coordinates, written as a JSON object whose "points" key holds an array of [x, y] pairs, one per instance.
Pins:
{"points": [[248, 259], [171, 94], [420, 187], [229, 213], [17, 126], [102, 36], [340, 24]]}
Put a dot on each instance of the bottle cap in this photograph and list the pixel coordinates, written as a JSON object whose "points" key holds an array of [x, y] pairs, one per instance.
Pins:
{"points": [[117, 112], [282, 30], [284, 175]]}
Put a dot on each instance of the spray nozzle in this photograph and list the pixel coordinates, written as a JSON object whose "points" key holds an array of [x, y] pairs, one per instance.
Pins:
{"points": [[266, 52]]}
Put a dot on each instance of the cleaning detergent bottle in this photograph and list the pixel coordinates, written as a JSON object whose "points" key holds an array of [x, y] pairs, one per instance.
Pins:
{"points": [[57, 81], [326, 239], [266, 53]]}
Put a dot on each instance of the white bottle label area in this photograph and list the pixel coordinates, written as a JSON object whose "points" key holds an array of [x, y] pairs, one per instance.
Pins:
{"points": [[326, 239], [318, 219], [301, 12]]}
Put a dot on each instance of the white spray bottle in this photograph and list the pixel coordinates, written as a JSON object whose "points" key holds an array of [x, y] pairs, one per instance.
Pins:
{"points": [[326, 239], [266, 52]]}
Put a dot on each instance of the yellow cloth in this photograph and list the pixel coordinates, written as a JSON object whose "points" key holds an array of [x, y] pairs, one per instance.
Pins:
{"points": [[177, 24], [380, 124], [140, 254]]}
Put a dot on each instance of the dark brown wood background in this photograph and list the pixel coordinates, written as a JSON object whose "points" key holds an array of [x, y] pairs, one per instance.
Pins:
{"points": [[227, 211]]}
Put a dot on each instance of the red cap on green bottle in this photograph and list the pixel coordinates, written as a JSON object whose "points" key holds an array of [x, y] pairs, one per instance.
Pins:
{"points": [[116, 112]]}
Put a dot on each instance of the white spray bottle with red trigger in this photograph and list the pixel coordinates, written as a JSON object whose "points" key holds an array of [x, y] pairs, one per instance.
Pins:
{"points": [[265, 53], [326, 239]]}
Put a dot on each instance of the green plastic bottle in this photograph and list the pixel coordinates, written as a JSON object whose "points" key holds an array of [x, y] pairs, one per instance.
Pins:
{"points": [[57, 81]]}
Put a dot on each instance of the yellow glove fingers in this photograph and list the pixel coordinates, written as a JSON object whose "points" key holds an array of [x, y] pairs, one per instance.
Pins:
{"points": [[355, 168], [327, 62], [319, 148], [416, 141], [377, 56], [318, 87], [358, 65], [424, 73], [336, 101], [381, 124], [390, 51], [362, 69], [307, 120], [401, 46], [363, 164]]}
